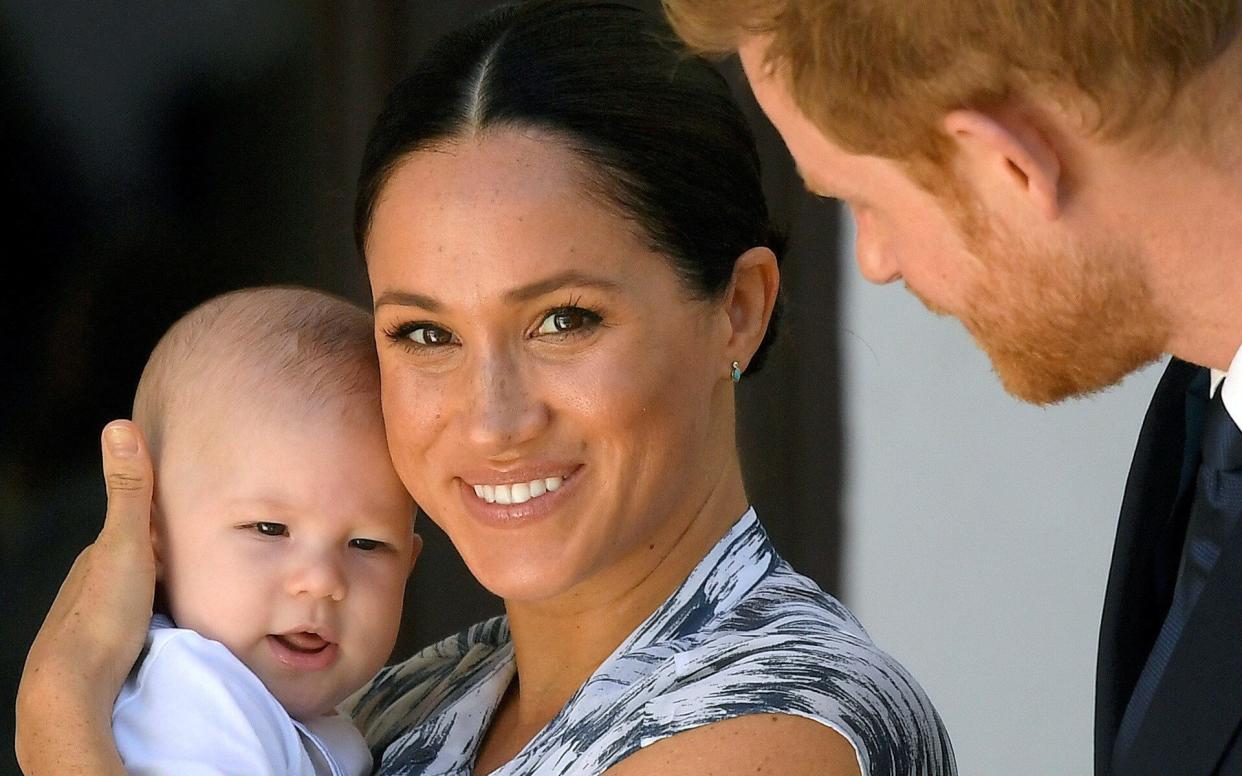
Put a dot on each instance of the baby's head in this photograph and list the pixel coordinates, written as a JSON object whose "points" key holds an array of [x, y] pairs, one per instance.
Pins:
{"points": [[280, 527]]}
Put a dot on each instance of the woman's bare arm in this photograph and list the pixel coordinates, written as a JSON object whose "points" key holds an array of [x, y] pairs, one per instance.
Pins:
{"points": [[754, 744], [95, 629]]}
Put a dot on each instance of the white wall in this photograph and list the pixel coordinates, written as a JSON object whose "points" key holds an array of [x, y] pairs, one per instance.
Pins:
{"points": [[979, 530]]}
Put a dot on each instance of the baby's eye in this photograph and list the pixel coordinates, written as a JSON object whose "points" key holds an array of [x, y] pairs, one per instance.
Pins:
{"points": [[567, 319], [366, 545], [272, 529]]}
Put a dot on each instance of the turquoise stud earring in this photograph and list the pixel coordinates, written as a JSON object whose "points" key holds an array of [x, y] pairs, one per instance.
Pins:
{"points": [[736, 374]]}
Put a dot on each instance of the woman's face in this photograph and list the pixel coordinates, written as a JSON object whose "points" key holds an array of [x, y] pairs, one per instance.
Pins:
{"points": [[555, 399]]}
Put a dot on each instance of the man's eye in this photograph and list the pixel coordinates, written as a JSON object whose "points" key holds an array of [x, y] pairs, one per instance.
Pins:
{"points": [[272, 529], [367, 545], [567, 319]]}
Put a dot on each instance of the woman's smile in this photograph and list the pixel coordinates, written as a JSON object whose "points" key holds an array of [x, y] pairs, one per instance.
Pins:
{"points": [[514, 499], [517, 492]]}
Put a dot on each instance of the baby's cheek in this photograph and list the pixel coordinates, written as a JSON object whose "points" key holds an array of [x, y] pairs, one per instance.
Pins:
{"points": [[379, 614]]}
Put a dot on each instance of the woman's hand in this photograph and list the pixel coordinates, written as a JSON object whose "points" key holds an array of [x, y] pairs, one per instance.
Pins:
{"points": [[95, 629]]}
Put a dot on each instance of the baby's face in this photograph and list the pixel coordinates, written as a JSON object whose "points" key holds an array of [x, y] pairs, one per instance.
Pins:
{"points": [[287, 536]]}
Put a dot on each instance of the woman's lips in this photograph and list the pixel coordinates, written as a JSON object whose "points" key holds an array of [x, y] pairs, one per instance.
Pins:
{"points": [[487, 501], [303, 651]]}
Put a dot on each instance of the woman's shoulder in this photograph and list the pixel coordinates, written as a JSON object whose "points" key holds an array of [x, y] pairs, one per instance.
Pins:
{"points": [[789, 648], [403, 693]]}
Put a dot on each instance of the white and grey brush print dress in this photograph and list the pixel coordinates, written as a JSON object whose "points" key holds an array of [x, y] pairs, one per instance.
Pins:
{"points": [[744, 634]]}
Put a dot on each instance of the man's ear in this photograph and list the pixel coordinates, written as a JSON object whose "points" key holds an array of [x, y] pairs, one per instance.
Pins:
{"points": [[1007, 155], [749, 302]]}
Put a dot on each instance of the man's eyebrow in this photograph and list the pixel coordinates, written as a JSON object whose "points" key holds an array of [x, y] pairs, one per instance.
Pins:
{"points": [[567, 279]]}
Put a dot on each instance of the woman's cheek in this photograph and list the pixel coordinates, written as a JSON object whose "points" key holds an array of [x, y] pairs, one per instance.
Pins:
{"points": [[415, 414]]}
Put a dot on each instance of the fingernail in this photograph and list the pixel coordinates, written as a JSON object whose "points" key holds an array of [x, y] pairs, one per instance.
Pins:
{"points": [[121, 441]]}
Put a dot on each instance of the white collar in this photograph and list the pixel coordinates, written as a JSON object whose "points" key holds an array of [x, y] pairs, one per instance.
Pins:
{"points": [[1232, 393]]}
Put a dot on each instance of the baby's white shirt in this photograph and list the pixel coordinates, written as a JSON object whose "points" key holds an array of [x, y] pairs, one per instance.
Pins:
{"points": [[191, 708]]}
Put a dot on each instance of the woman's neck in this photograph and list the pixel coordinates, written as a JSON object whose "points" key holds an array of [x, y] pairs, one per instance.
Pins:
{"points": [[559, 643]]}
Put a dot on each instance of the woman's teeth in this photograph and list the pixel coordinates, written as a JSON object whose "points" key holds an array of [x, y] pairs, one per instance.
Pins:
{"points": [[517, 492]]}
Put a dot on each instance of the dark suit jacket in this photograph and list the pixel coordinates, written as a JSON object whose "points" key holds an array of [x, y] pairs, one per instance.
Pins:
{"points": [[1192, 726]]}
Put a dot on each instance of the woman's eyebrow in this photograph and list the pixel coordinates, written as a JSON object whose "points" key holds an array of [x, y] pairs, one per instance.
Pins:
{"points": [[407, 299], [567, 279]]}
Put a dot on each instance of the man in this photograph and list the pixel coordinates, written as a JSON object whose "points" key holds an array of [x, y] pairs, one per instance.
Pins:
{"points": [[1065, 178]]}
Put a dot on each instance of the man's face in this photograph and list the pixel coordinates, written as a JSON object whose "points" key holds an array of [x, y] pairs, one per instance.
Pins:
{"points": [[1057, 317]]}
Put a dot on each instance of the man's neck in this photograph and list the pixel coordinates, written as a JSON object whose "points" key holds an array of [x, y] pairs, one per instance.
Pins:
{"points": [[1184, 209]]}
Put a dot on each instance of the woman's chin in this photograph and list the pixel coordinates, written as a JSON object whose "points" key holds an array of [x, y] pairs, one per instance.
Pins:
{"points": [[506, 573]]}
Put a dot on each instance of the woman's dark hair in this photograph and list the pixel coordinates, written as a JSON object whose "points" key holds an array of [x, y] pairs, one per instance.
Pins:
{"points": [[658, 126]]}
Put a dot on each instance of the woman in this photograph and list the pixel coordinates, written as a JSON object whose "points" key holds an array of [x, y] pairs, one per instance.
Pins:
{"points": [[572, 264]]}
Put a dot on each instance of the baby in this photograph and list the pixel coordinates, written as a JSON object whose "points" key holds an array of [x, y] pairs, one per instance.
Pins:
{"points": [[283, 539]]}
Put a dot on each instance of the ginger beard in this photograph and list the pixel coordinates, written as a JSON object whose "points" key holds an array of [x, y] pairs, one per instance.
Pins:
{"points": [[1056, 323]]}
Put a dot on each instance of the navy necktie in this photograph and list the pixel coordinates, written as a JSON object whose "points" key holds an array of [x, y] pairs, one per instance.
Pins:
{"points": [[1214, 512]]}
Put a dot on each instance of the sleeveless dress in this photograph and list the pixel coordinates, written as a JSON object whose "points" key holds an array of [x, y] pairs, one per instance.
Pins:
{"points": [[744, 634]]}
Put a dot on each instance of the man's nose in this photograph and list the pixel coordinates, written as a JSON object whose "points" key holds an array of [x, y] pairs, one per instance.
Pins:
{"points": [[875, 261]]}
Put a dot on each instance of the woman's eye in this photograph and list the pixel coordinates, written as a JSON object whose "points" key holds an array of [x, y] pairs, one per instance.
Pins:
{"points": [[272, 529], [567, 319], [367, 545], [433, 336]]}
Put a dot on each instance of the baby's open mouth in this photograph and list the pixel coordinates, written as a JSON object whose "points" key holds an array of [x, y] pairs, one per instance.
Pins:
{"points": [[305, 642]]}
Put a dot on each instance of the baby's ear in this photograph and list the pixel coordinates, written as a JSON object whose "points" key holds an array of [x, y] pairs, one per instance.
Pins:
{"points": [[157, 536]]}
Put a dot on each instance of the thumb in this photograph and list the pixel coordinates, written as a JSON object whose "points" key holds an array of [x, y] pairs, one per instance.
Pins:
{"points": [[128, 477]]}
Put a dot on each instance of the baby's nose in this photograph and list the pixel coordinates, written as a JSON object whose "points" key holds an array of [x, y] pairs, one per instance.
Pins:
{"points": [[318, 578]]}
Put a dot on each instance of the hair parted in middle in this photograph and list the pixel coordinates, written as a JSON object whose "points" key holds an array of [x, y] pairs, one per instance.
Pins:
{"points": [[660, 134]]}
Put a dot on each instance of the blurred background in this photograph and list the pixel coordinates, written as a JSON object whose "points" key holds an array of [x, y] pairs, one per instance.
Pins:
{"points": [[158, 153]]}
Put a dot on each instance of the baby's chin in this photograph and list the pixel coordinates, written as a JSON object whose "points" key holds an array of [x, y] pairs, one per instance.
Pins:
{"points": [[304, 707], [306, 697]]}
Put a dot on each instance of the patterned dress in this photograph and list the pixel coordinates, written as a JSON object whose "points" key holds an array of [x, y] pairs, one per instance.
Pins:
{"points": [[744, 634]]}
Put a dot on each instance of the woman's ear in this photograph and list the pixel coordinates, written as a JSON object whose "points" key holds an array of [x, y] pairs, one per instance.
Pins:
{"points": [[1009, 156], [749, 302]]}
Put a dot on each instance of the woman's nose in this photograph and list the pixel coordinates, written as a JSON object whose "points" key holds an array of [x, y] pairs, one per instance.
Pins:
{"points": [[505, 409], [875, 261], [318, 575]]}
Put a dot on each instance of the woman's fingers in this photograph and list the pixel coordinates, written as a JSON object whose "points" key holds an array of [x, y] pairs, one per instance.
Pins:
{"points": [[96, 626], [127, 476], [118, 570]]}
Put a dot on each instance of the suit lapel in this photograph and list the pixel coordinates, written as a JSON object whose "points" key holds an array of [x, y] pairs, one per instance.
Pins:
{"points": [[1197, 706], [1145, 554]]}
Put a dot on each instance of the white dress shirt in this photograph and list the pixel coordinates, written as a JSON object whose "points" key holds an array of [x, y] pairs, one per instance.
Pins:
{"points": [[1232, 397]]}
